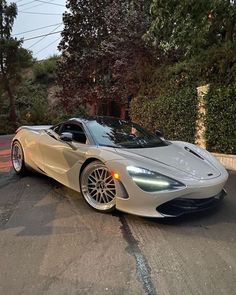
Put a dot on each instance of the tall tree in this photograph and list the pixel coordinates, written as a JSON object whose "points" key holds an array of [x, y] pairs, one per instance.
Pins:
{"points": [[12, 55], [102, 50], [192, 25]]}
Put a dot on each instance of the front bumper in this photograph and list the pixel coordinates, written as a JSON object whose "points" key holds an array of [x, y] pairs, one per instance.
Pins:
{"points": [[138, 202], [180, 206], [175, 203]]}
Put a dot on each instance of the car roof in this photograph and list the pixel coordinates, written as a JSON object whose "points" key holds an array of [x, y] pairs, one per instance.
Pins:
{"points": [[95, 118]]}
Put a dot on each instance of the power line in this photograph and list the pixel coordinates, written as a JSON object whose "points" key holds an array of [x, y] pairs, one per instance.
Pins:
{"points": [[43, 2], [30, 7], [26, 3], [46, 2], [42, 13], [43, 37], [47, 45], [27, 8], [37, 29]]}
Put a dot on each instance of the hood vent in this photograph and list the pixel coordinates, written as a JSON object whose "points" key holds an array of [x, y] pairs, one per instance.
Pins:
{"points": [[192, 152]]}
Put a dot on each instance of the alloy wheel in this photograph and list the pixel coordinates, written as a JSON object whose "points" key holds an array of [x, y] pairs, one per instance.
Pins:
{"points": [[98, 186], [17, 157]]}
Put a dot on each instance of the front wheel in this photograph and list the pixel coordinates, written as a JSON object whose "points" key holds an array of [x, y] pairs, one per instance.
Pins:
{"points": [[17, 158], [98, 187]]}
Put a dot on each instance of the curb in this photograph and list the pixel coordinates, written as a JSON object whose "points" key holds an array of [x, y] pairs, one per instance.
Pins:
{"points": [[229, 161]]}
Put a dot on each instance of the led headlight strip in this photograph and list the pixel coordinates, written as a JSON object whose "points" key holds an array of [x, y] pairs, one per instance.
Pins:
{"points": [[151, 181]]}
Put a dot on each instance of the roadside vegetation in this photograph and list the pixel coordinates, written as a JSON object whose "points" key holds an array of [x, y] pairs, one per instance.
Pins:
{"points": [[149, 56]]}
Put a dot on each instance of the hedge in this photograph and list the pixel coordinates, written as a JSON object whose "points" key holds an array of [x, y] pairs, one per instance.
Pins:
{"points": [[175, 115], [221, 119], [45, 71]]}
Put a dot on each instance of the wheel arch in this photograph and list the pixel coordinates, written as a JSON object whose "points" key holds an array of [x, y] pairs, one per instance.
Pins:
{"points": [[16, 140], [88, 161], [18, 137]]}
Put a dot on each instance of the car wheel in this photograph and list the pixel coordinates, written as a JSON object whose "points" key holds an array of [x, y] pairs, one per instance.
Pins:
{"points": [[17, 158], [98, 187]]}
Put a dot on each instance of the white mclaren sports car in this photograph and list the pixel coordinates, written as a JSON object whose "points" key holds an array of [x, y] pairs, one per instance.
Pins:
{"points": [[115, 163]]}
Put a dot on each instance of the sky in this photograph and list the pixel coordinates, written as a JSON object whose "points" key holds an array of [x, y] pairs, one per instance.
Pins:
{"points": [[26, 20]]}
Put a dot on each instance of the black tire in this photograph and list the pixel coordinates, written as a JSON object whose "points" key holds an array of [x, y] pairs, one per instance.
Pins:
{"points": [[20, 169], [107, 202]]}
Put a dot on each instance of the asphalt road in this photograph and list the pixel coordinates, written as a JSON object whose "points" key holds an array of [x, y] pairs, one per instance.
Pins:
{"points": [[51, 242]]}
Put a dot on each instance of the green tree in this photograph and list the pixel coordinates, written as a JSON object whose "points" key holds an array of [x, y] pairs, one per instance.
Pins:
{"points": [[102, 50], [192, 25], [12, 56]]}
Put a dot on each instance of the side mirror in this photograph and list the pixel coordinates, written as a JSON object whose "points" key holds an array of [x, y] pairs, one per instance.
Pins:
{"points": [[159, 133], [66, 136]]}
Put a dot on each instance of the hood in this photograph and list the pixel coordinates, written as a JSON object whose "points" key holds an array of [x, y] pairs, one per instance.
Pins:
{"points": [[34, 127], [180, 157]]}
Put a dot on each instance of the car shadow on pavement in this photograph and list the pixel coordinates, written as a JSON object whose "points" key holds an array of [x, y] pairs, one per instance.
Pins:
{"points": [[31, 205], [42, 198]]}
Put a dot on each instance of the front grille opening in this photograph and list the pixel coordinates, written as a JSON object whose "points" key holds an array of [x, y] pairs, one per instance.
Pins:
{"points": [[181, 206]]}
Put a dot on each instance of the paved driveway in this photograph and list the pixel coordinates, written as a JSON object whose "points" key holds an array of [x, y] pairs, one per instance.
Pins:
{"points": [[51, 242]]}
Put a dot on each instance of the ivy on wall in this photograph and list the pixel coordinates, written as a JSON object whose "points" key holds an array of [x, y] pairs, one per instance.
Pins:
{"points": [[175, 115], [220, 119]]}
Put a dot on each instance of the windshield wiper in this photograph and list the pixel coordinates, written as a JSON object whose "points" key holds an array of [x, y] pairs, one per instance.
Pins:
{"points": [[110, 145]]}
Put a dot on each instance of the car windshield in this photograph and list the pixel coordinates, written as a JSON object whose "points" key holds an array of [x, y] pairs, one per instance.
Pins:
{"points": [[121, 133]]}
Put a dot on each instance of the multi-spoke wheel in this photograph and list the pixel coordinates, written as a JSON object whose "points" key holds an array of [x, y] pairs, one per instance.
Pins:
{"points": [[98, 186], [17, 157]]}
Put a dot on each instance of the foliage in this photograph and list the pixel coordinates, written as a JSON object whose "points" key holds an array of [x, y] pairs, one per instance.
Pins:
{"points": [[12, 56], [33, 108], [25, 59], [5, 127], [58, 117], [32, 104], [102, 50], [215, 65], [191, 26], [221, 118], [174, 114], [45, 71]]}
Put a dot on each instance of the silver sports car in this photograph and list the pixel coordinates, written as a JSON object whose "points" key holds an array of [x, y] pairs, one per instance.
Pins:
{"points": [[115, 163]]}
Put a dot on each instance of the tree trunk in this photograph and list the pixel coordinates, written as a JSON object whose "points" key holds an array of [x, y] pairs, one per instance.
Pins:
{"points": [[13, 117]]}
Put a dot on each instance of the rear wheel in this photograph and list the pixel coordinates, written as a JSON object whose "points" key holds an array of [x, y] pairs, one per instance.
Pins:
{"points": [[98, 187], [17, 157]]}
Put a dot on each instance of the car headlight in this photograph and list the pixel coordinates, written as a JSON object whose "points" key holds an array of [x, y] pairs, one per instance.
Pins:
{"points": [[151, 181]]}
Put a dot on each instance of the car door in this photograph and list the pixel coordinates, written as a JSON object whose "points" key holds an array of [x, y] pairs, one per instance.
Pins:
{"points": [[63, 160]]}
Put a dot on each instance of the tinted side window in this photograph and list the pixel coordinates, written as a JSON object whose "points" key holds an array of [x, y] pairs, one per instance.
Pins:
{"points": [[76, 130]]}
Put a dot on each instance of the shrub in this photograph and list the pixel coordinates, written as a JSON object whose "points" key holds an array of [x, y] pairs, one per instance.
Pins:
{"points": [[174, 114], [221, 118], [32, 104], [45, 71]]}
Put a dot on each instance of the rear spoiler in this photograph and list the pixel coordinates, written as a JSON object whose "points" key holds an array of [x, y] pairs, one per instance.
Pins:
{"points": [[34, 128]]}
